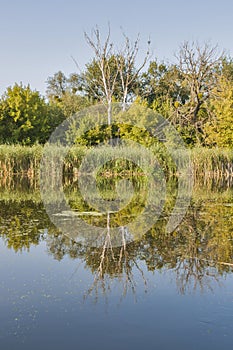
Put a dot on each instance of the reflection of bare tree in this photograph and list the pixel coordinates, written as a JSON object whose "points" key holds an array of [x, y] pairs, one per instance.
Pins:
{"points": [[194, 273], [115, 262], [107, 263]]}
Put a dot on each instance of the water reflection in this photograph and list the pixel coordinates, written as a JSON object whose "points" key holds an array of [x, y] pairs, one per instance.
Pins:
{"points": [[200, 251]]}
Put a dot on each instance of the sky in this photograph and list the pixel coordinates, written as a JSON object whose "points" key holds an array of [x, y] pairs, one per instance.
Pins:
{"points": [[39, 38]]}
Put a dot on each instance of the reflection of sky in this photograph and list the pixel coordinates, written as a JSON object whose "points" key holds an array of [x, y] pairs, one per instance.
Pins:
{"points": [[38, 38], [41, 306]]}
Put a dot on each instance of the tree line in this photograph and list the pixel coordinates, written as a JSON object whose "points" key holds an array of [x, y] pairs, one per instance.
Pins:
{"points": [[195, 93]]}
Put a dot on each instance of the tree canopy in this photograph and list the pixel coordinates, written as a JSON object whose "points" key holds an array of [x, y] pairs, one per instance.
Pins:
{"points": [[25, 117]]}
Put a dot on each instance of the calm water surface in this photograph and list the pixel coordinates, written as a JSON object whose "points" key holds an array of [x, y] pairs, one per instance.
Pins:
{"points": [[161, 292]]}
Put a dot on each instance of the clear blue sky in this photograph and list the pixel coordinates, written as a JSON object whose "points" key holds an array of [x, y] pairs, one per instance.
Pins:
{"points": [[38, 37]]}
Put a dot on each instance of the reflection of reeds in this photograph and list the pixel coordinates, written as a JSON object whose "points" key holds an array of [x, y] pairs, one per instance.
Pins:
{"points": [[19, 187]]}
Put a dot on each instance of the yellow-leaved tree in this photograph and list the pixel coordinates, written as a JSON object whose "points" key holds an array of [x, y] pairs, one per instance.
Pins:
{"points": [[219, 130]]}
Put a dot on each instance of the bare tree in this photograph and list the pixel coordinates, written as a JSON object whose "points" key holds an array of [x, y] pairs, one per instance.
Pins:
{"points": [[126, 62], [103, 53], [117, 67], [197, 65]]}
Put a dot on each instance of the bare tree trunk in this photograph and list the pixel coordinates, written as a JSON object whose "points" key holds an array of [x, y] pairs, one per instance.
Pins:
{"points": [[109, 112], [103, 54], [124, 100]]}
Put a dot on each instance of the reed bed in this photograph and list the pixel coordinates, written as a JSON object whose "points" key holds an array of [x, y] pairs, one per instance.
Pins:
{"points": [[212, 162], [25, 160], [17, 159]]}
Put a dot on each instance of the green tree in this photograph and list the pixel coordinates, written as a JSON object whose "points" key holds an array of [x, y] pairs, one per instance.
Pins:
{"points": [[162, 87], [65, 94], [25, 117], [226, 68], [56, 86], [162, 82], [219, 129], [73, 103]]}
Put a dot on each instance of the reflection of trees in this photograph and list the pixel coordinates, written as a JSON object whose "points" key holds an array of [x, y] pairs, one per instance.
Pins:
{"points": [[22, 224], [198, 252], [200, 249]]}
